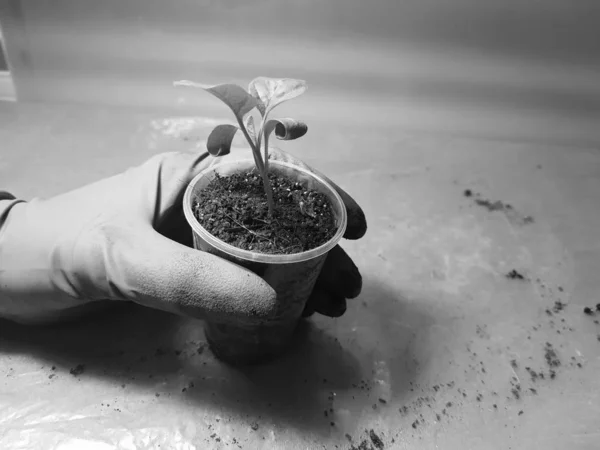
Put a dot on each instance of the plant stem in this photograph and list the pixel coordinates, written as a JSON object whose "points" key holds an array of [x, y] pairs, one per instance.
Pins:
{"points": [[266, 153], [268, 191], [261, 168]]}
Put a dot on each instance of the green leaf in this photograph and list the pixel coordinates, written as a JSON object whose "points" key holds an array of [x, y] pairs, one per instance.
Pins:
{"points": [[234, 96], [249, 124], [274, 91], [285, 129], [219, 140], [261, 106]]}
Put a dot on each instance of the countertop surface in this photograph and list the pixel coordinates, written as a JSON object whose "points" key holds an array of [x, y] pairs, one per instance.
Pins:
{"points": [[469, 334]]}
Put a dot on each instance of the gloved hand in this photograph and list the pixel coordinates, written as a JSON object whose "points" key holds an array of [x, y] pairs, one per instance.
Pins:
{"points": [[125, 238]]}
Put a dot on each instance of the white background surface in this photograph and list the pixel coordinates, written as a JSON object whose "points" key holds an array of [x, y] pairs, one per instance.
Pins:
{"points": [[437, 317], [510, 69]]}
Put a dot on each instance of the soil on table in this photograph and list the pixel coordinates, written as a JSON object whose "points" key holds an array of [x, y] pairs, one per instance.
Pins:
{"points": [[234, 209]]}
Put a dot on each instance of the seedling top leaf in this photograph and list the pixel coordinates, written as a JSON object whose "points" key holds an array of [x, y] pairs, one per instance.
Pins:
{"points": [[264, 94], [234, 96], [274, 91]]}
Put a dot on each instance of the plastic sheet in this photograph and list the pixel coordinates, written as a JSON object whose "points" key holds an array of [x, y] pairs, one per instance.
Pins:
{"points": [[422, 359], [138, 379]]}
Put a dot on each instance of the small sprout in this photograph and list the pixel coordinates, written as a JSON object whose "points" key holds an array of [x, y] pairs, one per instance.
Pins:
{"points": [[263, 94]]}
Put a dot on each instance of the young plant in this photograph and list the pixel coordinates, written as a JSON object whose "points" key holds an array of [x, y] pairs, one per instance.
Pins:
{"points": [[263, 94]]}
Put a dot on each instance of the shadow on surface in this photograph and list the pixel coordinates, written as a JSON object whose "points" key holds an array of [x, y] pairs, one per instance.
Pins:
{"points": [[142, 348]]}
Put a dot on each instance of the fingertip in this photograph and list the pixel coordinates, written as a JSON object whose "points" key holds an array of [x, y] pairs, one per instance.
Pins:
{"points": [[327, 304], [357, 223], [244, 295], [356, 285], [260, 296], [340, 275], [308, 312]]}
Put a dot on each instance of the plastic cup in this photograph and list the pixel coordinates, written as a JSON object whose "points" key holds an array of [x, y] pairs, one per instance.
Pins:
{"points": [[292, 276]]}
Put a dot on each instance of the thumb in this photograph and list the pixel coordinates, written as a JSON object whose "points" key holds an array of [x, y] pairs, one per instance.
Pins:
{"points": [[149, 269]]}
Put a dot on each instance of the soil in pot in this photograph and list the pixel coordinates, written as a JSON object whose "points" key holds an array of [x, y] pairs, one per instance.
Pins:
{"points": [[234, 209]]}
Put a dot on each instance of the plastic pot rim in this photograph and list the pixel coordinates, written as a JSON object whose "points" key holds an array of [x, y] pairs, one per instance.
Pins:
{"points": [[257, 257]]}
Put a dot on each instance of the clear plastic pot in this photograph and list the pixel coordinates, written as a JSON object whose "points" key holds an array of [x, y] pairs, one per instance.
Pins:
{"points": [[292, 276]]}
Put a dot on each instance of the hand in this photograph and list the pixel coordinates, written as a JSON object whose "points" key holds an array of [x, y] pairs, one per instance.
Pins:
{"points": [[125, 238]]}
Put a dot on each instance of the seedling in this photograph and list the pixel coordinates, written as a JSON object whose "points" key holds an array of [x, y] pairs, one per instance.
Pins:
{"points": [[263, 94]]}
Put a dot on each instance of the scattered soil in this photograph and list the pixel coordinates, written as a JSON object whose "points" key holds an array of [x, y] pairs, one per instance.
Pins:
{"points": [[234, 209], [525, 382], [551, 356], [533, 374], [376, 440], [516, 392], [431, 403], [515, 275], [499, 206], [364, 445], [77, 370], [492, 206]]}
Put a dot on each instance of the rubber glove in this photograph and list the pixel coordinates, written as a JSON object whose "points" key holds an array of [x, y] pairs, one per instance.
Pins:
{"points": [[125, 238]]}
